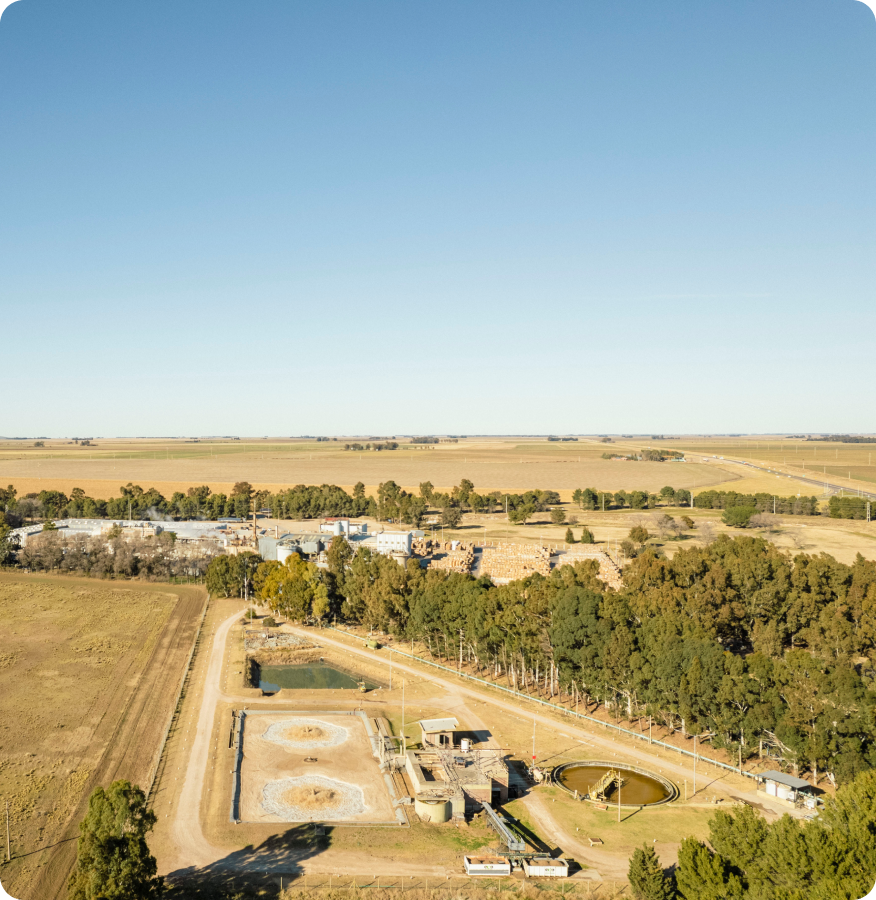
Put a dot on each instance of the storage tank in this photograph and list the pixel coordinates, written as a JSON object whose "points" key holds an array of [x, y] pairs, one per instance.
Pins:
{"points": [[284, 551], [465, 745], [432, 810]]}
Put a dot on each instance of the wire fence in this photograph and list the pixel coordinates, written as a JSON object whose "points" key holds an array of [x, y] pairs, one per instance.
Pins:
{"points": [[561, 709], [178, 703], [585, 887]]}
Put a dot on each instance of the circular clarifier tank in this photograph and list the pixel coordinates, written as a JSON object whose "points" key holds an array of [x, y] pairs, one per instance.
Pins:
{"points": [[639, 787]]}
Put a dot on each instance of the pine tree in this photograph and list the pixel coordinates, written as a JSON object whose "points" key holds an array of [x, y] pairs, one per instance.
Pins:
{"points": [[703, 875], [113, 861], [570, 538], [586, 536], [646, 876]]}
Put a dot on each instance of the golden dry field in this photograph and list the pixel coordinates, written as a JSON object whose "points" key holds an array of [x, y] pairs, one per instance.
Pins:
{"points": [[88, 673], [847, 465], [496, 464]]}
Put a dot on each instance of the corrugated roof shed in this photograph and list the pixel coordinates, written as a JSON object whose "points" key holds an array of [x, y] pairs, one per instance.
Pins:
{"points": [[788, 780]]}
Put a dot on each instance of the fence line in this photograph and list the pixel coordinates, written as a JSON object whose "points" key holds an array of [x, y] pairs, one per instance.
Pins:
{"points": [[561, 709], [176, 705]]}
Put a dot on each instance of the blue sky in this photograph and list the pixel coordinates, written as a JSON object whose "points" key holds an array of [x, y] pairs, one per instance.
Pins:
{"points": [[335, 218]]}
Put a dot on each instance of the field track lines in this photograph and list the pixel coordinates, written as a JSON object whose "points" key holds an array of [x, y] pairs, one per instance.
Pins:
{"points": [[135, 736]]}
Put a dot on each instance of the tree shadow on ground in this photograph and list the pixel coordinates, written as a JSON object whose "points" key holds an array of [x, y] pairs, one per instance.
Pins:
{"points": [[251, 872]]}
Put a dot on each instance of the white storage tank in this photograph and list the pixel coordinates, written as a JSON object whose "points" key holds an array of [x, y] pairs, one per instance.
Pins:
{"points": [[433, 810], [284, 551], [465, 745]]}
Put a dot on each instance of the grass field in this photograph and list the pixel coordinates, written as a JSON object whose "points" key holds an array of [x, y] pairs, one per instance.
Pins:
{"points": [[75, 654]]}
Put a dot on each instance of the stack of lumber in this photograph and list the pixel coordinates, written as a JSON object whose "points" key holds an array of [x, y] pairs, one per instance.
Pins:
{"points": [[459, 560], [508, 562]]}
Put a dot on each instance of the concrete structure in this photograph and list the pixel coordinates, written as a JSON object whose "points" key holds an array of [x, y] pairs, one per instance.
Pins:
{"points": [[433, 809], [787, 789], [467, 781]]}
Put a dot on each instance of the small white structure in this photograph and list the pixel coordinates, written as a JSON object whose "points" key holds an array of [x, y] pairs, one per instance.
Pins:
{"points": [[787, 788], [486, 865], [340, 525], [394, 542], [545, 868], [438, 732]]}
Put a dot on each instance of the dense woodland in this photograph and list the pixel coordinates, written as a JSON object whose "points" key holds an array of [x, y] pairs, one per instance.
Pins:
{"points": [[739, 643]]}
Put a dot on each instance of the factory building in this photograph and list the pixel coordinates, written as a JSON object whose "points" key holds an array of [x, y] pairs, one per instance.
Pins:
{"points": [[184, 531]]}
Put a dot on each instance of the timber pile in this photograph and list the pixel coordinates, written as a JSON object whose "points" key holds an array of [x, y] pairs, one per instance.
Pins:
{"points": [[454, 561], [508, 562]]}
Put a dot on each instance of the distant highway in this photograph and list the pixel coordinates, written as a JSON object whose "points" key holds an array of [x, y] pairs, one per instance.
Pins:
{"points": [[823, 483]]}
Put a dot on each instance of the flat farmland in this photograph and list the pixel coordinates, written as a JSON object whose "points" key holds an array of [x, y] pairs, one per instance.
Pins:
{"points": [[89, 671], [506, 465]]}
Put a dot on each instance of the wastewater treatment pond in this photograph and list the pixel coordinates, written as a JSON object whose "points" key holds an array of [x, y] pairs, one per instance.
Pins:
{"points": [[638, 788], [309, 677]]}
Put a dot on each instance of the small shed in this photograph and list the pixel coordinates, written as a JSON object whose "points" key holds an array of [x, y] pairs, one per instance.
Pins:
{"points": [[438, 732], [786, 788], [486, 865]]}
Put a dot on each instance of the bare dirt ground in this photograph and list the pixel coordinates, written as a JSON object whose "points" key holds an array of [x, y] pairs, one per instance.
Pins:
{"points": [[348, 763], [105, 660]]}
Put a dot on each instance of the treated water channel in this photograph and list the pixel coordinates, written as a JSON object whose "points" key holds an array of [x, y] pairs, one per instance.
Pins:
{"points": [[638, 789], [310, 677]]}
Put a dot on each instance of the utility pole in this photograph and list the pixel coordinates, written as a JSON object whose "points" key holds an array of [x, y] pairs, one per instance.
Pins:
{"points": [[618, 797], [404, 739], [8, 851], [695, 767], [390, 668], [649, 730], [533, 743]]}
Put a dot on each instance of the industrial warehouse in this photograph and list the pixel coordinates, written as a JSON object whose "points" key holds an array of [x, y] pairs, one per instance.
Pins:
{"points": [[502, 561]]}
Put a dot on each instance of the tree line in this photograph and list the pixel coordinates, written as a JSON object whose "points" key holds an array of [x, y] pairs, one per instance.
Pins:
{"points": [[593, 499], [392, 503], [752, 649], [761, 502], [848, 507]]}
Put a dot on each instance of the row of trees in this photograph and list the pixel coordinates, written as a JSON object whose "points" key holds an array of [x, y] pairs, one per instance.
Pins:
{"points": [[298, 502], [737, 642], [762, 502], [748, 858], [590, 498], [848, 507], [380, 445]]}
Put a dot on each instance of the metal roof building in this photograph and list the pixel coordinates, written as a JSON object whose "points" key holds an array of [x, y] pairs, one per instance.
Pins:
{"points": [[787, 788]]}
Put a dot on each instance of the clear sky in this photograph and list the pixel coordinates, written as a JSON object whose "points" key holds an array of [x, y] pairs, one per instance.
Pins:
{"points": [[284, 217]]}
